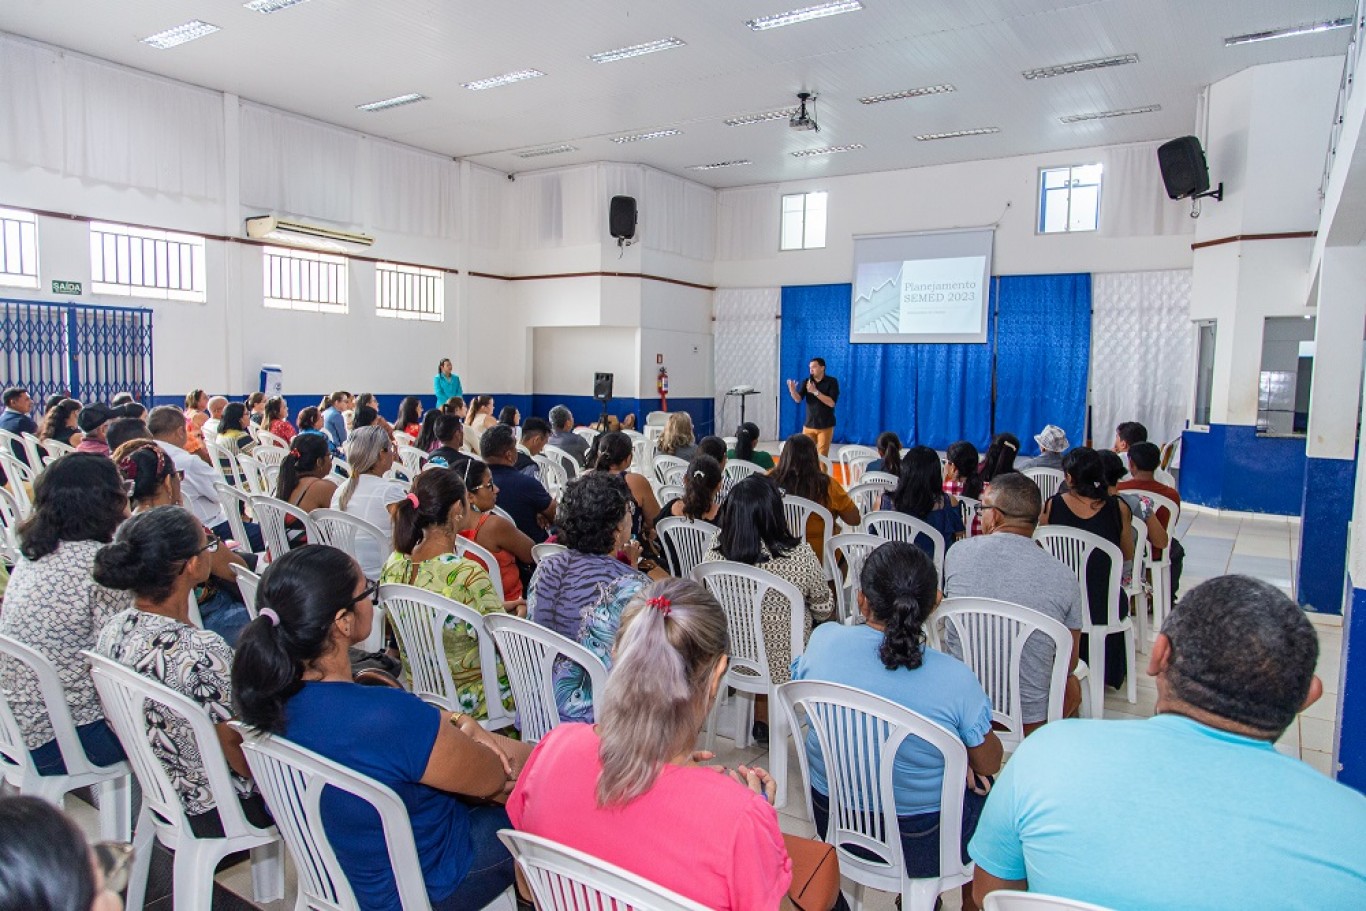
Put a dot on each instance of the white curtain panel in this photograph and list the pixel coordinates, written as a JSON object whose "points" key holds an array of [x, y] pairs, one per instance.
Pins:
{"points": [[299, 166], [485, 197], [745, 336], [1142, 352], [747, 221], [30, 104], [677, 216], [1131, 173], [413, 192]]}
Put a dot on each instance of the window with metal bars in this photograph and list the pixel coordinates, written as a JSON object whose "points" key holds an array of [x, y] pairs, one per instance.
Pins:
{"points": [[140, 262], [18, 249], [1069, 199], [304, 280], [410, 292]]}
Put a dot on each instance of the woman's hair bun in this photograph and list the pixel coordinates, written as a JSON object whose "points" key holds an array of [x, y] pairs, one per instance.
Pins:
{"points": [[118, 566]]}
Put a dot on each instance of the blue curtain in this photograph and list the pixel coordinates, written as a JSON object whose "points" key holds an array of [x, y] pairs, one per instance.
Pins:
{"points": [[1043, 355]]}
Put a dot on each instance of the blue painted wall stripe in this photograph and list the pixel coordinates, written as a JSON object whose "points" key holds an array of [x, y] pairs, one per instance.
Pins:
{"points": [[1231, 467], [1351, 732], [1329, 486]]}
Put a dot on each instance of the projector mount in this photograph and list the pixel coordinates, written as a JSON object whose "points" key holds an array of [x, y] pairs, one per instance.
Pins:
{"points": [[801, 119]]}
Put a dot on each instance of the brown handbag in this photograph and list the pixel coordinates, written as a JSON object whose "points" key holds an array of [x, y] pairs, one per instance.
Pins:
{"points": [[815, 873]]}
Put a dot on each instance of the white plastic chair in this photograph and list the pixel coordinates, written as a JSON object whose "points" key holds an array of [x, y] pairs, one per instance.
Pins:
{"points": [[269, 456], [797, 510], [247, 583], [125, 694], [553, 475], [852, 549], [226, 463], [471, 550], [342, 530], [292, 780], [685, 542], [420, 620], [1008, 900], [563, 879], [669, 469], [856, 467], [643, 450], [588, 434], [530, 652], [897, 526], [736, 470], [849, 453], [413, 460], [33, 448], [859, 735], [884, 479], [270, 515], [1160, 569], [990, 638], [253, 474], [741, 590], [19, 480], [540, 552], [967, 508], [563, 459], [1075, 548], [666, 492], [16, 763], [54, 450], [1137, 588], [270, 440], [10, 518], [868, 498], [404, 439], [1048, 479], [232, 500], [341, 468]]}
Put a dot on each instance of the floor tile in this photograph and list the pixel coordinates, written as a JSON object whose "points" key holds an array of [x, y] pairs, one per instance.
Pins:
{"points": [[1275, 570], [1258, 546], [1316, 734]]}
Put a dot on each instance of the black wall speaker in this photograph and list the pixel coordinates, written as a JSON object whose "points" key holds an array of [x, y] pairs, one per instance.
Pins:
{"points": [[1184, 170], [602, 384], [622, 220]]}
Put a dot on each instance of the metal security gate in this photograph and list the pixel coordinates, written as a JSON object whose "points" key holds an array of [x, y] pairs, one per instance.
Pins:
{"points": [[89, 353]]}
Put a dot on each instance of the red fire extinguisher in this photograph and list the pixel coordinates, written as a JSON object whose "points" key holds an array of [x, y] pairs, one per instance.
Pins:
{"points": [[662, 384]]}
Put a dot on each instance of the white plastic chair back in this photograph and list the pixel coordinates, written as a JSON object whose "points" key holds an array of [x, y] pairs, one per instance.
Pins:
{"points": [[859, 735], [563, 879], [341, 469], [269, 456], [797, 510], [54, 450], [16, 763], [226, 463], [736, 470], [989, 636], [827, 465], [883, 479], [420, 620], [967, 508], [856, 467], [471, 550], [867, 497], [403, 439], [529, 653], [253, 474], [684, 542], [9, 524], [1161, 567], [19, 480], [643, 450], [567, 462], [588, 434], [270, 515], [666, 492], [127, 697], [232, 500], [342, 530], [33, 448], [413, 459], [850, 549], [664, 464], [897, 526], [553, 476], [1009, 900], [270, 440], [247, 583], [656, 418], [544, 550], [849, 453], [1136, 588], [1048, 479]]}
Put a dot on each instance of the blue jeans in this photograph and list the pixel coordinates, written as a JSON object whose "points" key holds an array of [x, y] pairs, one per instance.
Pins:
{"points": [[492, 870], [102, 747], [225, 615], [254, 539], [919, 833]]}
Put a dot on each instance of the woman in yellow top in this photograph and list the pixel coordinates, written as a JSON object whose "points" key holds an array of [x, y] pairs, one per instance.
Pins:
{"points": [[426, 525]]}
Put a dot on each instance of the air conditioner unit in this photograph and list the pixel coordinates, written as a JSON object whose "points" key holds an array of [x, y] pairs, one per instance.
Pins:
{"points": [[298, 233]]}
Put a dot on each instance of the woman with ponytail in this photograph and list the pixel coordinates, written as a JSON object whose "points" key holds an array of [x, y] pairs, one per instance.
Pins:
{"points": [[701, 492], [426, 524], [886, 655], [292, 676], [605, 788], [613, 453], [1000, 458], [304, 480], [960, 475], [889, 454], [746, 439], [161, 555], [367, 494]]}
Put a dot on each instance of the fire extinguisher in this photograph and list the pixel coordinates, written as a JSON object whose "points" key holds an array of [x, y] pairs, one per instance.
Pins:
{"points": [[662, 384]]}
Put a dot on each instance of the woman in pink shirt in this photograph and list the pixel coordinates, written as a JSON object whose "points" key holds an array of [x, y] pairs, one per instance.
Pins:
{"points": [[607, 789]]}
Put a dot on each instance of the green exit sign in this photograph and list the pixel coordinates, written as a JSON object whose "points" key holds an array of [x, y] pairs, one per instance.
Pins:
{"points": [[66, 287]]}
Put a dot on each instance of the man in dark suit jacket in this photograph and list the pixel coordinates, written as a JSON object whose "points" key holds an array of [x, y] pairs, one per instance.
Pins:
{"points": [[16, 420]]}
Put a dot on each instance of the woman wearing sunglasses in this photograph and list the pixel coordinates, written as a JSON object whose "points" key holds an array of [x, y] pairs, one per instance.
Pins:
{"points": [[161, 555]]}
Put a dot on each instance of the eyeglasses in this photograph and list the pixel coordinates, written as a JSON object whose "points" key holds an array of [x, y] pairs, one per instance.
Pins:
{"points": [[488, 483], [980, 508], [210, 546], [370, 591]]}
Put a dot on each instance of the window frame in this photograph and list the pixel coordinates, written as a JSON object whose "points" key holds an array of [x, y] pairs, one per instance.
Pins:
{"points": [[805, 197], [20, 218], [198, 267], [306, 305], [1203, 398], [1039, 222], [438, 276]]}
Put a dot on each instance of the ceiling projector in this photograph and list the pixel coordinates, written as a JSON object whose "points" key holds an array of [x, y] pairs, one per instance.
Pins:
{"points": [[801, 119]]}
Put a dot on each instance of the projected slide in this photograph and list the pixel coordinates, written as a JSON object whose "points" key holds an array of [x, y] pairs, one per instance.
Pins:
{"points": [[921, 287]]}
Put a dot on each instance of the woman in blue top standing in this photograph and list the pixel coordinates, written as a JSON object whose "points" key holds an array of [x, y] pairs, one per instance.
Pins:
{"points": [[446, 384], [291, 676]]}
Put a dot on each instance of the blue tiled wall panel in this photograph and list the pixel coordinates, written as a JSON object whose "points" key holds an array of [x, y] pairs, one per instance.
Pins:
{"points": [[1351, 734], [1329, 486], [1231, 467]]}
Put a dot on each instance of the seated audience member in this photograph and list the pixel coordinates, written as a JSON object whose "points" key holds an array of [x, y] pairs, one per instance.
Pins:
{"points": [[57, 397], [48, 864], [889, 455], [256, 408], [613, 453], [232, 430], [886, 656], [194, 414], [604, 789], [1004, 563], [334, 411], [131, 406], [155, 482], [509, 546], [701, 490], [94, 422], [16, 419], [305, 480], [520, 495], [1087, 505], [54, 606], [367, 494], [1052, 442], [291, 676], [409, 418], [449, 433], [426, 525], [368, 400], [481, 416], [563, 437], [310, 420], [1141, 507], [197, 478], [456, 406], [59, 423], [121, 430], [960, 474], [210, 428], [799, 474], [510, 416], [1000, 457], [1234, 664], [365, 416], [714, 446], [746, 438], [1145, 460], [920, 495], [426, 434], [754, 532], [677, 439], [162, 555], [581, 592], [1127, 435], [535, 434], [275, 418]]}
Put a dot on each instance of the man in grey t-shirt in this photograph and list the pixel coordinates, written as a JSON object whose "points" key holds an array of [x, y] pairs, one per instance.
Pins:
{"points": [[1005, 563]]}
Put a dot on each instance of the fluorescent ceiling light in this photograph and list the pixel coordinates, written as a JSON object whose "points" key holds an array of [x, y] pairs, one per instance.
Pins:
{"points": [[551, 150], [828, 150], [805, 14], [653, 134], [955, 134], [1080, 66], [173, 37], [397, 101], [493, 82], [271, 6], [636, 50], [746, 119], [1290, 31], [908, 93], [1106, 115], [719, 164]]}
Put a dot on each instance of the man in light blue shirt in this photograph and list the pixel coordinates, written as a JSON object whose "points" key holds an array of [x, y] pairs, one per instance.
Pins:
{"points": [[334, 418], [1193, 808]]}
